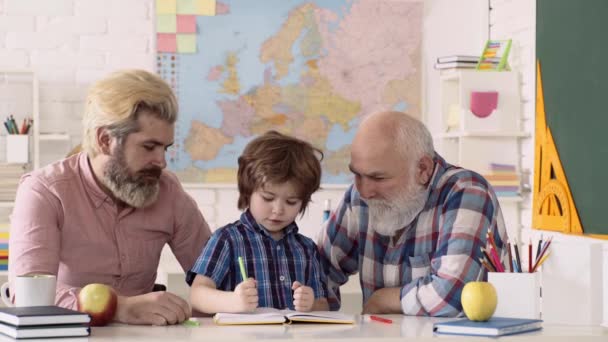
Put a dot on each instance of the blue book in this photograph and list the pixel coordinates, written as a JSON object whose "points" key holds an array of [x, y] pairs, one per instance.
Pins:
{"points": [[495, 326]]}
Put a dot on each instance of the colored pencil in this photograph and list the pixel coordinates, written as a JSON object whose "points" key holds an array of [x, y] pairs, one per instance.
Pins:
{"points": [[540, 243], [510, 257], [517, 259], [540, 262], [486, 265], [530, 257]]}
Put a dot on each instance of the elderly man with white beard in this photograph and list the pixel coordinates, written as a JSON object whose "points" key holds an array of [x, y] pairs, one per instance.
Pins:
{"points": [[411, 225], [104, 215]]}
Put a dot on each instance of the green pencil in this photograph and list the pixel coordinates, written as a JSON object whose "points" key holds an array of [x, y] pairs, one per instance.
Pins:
{"points": [[242, 266]]}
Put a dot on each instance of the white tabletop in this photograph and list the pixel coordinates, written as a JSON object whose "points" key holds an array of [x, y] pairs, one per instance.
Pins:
{"points": [[403, 327]]}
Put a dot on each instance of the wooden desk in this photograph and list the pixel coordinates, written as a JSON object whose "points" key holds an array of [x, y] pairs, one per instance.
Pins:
{"points": [[402, 328]]}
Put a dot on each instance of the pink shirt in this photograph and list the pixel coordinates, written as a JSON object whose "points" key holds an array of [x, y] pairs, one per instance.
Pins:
{"points": [[64, 224]]}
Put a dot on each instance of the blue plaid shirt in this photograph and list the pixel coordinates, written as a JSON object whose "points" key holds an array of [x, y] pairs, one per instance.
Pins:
{"points": [[275, 265], [435, 256]]}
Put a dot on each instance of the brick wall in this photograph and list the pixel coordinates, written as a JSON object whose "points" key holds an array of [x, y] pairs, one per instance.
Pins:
{"points": [[72, 43]]}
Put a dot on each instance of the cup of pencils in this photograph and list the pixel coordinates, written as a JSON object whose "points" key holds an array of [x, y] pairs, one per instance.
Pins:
{"points": [[17, 140], [516, 279]]}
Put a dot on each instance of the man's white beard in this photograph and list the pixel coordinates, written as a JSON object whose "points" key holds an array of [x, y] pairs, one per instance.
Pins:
{"points": [[134, 190], [386, 217]]}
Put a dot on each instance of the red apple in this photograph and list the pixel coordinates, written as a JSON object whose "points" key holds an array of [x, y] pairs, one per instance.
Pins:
{"points": [[99, 301]]}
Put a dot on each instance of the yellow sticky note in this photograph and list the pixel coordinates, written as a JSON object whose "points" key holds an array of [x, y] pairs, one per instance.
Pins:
{"points": [[186, 43], [205, 7], [166, 6], [186, 7], [166, 23]]}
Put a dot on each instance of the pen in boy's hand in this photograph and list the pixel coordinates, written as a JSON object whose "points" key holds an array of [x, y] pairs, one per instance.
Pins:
{"points": [[380, 319], [242, 266]]}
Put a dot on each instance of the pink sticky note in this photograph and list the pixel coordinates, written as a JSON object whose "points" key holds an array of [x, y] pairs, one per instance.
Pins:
{"points": [[166, 42], [186, 24], [483, 103]]}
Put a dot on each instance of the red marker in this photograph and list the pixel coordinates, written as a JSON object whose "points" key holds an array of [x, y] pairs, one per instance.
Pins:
{"points": [[380, 319]]}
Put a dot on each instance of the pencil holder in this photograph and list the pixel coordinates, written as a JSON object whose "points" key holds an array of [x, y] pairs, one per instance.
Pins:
{"points": [[518, 294], [17, 148]]}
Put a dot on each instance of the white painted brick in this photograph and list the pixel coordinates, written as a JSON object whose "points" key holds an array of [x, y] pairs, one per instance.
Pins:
{"points": [[39, 7], [58, 111], [40, 40], [14, 59], [78, 107], [112, 43], [71, 25], [130, 25], [136, 9], [61, 92], [202, 196], [131, 60], [17, 23], [88, 8], [53, 75], [58, 126], [61, 58], [88, 76], [119, 8], [208, 212]]}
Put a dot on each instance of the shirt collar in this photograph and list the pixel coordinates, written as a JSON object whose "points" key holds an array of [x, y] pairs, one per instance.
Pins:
{"points": [[90, 182], [441, 167], [250, 223]]}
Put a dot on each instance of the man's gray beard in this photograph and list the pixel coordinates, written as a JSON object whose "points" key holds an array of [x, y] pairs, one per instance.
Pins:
{"points": [[386, 217], [130, 189]]}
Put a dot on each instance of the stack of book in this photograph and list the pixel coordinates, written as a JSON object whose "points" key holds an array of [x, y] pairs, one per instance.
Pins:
{"points": [[504, 179], [3, 248], [457, 62], [9, 180], [43, 322]]}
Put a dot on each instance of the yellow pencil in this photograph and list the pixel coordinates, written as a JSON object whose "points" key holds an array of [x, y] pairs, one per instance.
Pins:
{"points": [[540, 262]]}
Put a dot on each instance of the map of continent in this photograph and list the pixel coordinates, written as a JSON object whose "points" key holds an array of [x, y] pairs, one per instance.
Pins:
{"points": [[310, 69]]}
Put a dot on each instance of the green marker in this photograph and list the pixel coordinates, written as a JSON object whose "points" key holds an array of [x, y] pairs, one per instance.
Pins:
{"points": [[191, 322], [242, 266]]}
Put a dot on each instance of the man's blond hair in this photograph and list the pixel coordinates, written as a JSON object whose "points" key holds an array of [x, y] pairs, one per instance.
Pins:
{"points": [[116, 101]]}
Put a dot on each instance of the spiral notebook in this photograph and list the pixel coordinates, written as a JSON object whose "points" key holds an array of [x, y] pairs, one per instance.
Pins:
{"points": [[495, 326]]}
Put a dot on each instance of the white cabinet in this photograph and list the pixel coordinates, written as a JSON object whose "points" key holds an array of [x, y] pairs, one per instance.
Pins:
{"points": [[19, 96], [479, 125]]}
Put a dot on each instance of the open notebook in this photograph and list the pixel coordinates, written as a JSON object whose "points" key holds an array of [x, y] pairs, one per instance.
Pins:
{"points": [[275, 316]]}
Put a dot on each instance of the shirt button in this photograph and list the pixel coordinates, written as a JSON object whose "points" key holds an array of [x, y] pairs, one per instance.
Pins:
{"points": [[282, 278], [278, 248], [123, 257]]}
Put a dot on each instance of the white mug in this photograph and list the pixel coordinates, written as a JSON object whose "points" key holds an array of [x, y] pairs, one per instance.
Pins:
{"points": [[31, 290]]}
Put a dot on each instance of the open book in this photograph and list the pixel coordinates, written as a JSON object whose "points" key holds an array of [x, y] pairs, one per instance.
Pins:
{"points": [[275, 316]]}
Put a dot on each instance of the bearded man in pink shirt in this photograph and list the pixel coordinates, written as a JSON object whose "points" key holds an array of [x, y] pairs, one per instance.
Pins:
{"points": [[104, 215]]}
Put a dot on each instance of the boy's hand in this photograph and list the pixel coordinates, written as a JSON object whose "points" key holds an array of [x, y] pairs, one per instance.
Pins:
{"points": [[303, 297], [246, 296]]}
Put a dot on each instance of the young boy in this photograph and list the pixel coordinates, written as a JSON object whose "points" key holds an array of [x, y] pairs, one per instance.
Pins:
{"points": [[277, 176]]}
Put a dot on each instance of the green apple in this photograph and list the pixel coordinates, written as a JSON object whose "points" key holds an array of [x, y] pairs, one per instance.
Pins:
{"points": [[479, 300], [99, 301]]}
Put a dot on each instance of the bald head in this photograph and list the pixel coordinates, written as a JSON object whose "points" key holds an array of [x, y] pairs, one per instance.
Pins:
{"points": [[394, 133]]}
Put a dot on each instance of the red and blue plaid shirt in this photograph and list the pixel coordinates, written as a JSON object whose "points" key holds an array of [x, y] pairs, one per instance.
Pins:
{"points": [[433, 259], [275, 265]]}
